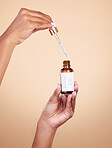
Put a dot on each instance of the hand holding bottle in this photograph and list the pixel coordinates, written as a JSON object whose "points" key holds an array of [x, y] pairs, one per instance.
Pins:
{"points": [[57, 111], [59, 108]]}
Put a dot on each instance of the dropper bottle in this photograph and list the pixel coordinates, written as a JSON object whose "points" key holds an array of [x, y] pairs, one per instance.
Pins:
{"points": [[67, 78], [67, 73]]}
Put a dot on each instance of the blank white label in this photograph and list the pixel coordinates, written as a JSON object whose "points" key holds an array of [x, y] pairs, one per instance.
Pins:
{"points": [[67, 81]]}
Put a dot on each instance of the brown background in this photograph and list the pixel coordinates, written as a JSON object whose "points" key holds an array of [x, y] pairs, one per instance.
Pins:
{"points": [[85, 28]]}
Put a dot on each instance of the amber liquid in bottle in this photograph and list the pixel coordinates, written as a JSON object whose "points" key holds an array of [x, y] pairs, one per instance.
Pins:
{"points": [[67, 78]]}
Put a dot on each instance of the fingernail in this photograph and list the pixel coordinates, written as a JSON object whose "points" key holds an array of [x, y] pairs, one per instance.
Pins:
{"points": [[57, 86], [75, 82], [52, 19], [53, 24], [74, 93]]}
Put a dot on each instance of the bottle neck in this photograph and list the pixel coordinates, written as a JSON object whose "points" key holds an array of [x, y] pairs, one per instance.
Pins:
{"points": [[66, 64]]}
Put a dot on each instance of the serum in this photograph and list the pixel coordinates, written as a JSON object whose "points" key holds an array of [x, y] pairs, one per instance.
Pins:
{"points": [[67, 78]]}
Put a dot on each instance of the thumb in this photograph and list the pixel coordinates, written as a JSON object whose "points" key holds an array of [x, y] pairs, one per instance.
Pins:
{"points": [[55, 95]]}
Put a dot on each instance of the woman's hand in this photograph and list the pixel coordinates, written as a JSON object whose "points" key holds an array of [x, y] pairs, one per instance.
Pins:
{"points": [[26, 23], [57, 111], [59, 108]]}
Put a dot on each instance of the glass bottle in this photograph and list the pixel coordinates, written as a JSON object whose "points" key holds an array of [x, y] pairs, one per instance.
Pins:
{"points": [[67, 78]]}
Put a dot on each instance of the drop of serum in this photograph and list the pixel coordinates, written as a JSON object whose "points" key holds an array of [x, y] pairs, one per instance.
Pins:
{"points": [[67, 78]]}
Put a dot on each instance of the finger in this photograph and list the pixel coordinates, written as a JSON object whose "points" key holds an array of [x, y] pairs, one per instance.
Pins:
{"points": [[75, 82], [35, 26], [63, 97], [73, 100], [69, 112], [68, 105], [76, 87], [38, 29], [35, 18], [43, 15], [55, 96], [36, 13]]}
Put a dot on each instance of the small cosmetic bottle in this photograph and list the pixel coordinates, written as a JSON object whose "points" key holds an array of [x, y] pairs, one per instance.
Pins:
{"points": [[67, 78]]}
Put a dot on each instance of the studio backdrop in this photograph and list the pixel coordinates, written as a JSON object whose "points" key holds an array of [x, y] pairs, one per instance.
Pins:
{"points": [[85, 29]]}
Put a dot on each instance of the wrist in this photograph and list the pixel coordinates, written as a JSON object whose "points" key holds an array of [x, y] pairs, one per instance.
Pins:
{"points": [[45, 126], [6, 40], [43, 133]]}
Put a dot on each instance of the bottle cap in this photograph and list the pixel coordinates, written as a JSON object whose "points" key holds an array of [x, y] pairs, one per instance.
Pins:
{"points": [[66, 62], [53, 30]]}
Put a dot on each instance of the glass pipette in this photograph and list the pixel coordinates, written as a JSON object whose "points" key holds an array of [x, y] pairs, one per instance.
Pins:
{"points": [[54, 32]]}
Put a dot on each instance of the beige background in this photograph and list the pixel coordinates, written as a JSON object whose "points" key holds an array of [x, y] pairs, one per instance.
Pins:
{"points": [[85, 28]]}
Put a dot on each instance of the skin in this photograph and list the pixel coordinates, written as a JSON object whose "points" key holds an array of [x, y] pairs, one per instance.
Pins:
{"points": [[24, 25], [59, 108], [57, 111]]}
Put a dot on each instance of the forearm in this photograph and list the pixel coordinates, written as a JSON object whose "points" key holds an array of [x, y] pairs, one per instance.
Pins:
{"points": [[44, 136], [6, 49]]}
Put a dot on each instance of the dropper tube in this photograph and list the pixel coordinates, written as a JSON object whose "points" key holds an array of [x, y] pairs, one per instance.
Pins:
{"points": [[54, 32]]}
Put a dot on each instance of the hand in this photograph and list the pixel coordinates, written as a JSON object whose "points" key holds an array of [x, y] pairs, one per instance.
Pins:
{"points": [[57, 111], [59, 108], [26, 23]]}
